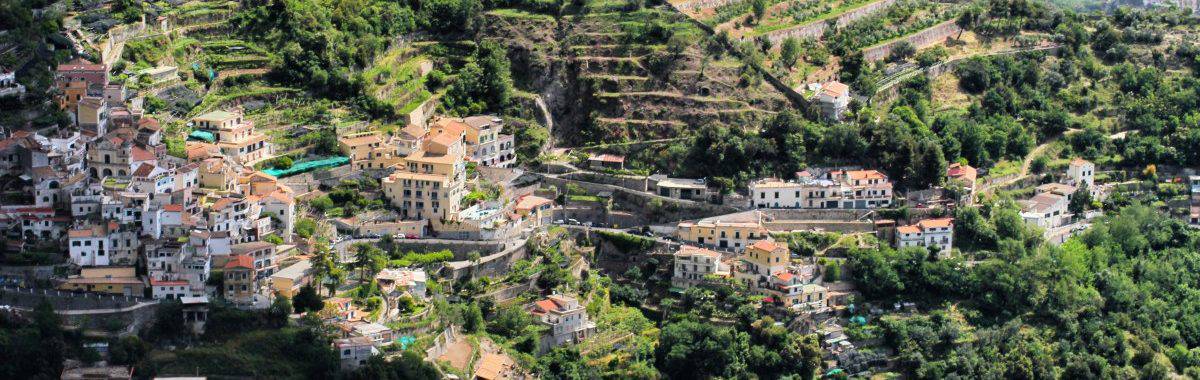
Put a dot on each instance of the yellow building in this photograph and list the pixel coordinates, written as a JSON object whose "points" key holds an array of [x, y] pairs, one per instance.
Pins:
{"points": [[235, 136], [765, 258], [289, 280], [736, 231], [429, 183], [114, 280], [358, 146]]}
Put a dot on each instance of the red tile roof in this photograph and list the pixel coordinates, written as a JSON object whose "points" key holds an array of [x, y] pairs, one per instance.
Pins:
{"points": [[240, 261], [765, 245]]}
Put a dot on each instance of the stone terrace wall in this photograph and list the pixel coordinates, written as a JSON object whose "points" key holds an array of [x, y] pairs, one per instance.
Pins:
{"points": [[816, 28], [933, 35], [694, 5]]}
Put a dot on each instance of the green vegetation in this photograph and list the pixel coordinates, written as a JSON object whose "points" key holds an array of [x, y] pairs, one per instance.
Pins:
{"points": [[1113, 300]]}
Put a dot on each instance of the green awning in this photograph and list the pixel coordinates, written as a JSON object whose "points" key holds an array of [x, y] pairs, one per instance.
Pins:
{"points": [[202, 135]]}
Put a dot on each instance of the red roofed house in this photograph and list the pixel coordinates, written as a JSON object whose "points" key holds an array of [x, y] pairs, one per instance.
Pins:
{"points": [[567, 319], [606, 161], [834, 99], [935, 234], [169, 290], [241, 280], [963, 173], [761, 260], [693, 264], [535, 209]]}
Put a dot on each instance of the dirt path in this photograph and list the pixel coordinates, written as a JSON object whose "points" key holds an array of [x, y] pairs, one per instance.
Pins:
{"points": [[1027, 163]]}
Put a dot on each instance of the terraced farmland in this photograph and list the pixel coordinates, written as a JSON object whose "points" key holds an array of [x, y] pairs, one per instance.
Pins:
{"points": [[652, 74]]}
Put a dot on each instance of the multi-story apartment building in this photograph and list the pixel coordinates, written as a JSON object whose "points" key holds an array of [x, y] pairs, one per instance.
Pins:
{"points": [[481, 134], [566, 318], [234, 136], [837, 189], [692, 264], [429, 183], [358, 147], [935, 234], [735, 231], [101, 244], [762, 260], [241, 282]]}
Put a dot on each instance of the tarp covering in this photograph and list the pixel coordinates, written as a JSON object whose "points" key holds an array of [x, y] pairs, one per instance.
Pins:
{"points": [[308, 166], [202, 135]]}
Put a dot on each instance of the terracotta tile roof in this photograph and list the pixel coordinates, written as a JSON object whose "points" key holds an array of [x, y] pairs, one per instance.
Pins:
{"points": [[835, 89], [688, 250], [240, 261], [936, 223], [451, 126], [1078, 161], [607, 158], [413, 131], [545, 306], [143, 170], [785, 276], [530, 202], [222, 203], [765, 245], [139, 154], [173, 208], [961, 171], [445, 139], [911, 229]]}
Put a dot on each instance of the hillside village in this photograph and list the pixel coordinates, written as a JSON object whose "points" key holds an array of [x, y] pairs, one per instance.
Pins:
{"points": [[598, 189]]}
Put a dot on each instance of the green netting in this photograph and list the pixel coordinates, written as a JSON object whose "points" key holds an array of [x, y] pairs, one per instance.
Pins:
{"points": [[202, 135], [308, 166]]}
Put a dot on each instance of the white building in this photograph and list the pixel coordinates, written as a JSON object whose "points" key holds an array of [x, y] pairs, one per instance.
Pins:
{"points": [[1082, 171], [836, 189], [1045, 210], [102, 244], [354, 351], [834, 99], [929, 233], [567, 319], [692, 264], [169, 289]]}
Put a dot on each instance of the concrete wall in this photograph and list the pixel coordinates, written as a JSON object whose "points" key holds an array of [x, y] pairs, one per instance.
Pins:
{"points": [[930, 36], [87, 311], [638, 202], [816, 28]]}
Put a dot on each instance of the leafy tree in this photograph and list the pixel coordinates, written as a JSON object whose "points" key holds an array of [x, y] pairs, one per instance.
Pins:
{"points": [[278, 312], [1081, 200], [759, 7], [308, 300], [407, 365], [690, 349], [789, 51], [368, 259]]}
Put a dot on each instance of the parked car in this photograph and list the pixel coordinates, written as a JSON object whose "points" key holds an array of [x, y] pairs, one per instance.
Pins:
{"points": [[412, 236], [573, 222], [558, 221]]}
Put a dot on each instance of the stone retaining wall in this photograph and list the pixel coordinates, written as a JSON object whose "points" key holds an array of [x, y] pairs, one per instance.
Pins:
{"points": [[930, 36], [815, 29]]}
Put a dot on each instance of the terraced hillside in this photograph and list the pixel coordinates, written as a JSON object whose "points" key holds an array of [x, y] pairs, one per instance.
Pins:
{"points": [[825, 30], [629, 75]]}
